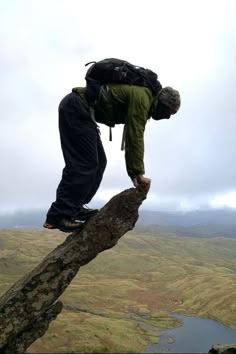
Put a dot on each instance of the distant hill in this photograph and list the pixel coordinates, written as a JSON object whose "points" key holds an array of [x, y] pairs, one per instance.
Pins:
{"points": [[209, 223], [225, 216], [200, 231], [23, 219]]}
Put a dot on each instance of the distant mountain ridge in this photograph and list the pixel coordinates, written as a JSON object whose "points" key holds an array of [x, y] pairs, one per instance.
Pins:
{"points": [[200, 231], [209, 223], [225, 216]]}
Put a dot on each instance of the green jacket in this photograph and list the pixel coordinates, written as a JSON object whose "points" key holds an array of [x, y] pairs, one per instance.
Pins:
{"points": [[130, 105]]}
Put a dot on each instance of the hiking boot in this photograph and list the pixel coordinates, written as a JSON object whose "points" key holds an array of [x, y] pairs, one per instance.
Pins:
{"points": [[85, 213], [63, 224]]}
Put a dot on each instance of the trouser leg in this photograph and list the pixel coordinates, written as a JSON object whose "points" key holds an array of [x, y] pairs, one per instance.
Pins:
{"points": [[79, 142], [102, 162]]}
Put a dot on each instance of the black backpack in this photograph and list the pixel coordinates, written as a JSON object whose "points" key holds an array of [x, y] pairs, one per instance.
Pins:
{"points": [[118, 71]]}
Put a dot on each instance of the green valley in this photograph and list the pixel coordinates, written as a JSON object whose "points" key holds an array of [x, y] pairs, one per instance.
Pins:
{"points": [[121, 300]]}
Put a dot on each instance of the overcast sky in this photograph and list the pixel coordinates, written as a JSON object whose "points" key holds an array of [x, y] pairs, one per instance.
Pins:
{"points": [[190, 44]]}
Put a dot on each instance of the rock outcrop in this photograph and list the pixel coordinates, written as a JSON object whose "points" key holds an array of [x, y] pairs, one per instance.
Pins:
{"points": [[29, 306], [223, 349]]}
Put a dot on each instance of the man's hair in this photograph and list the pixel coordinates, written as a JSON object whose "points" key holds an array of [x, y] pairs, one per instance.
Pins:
{"points": [[170, 98]]}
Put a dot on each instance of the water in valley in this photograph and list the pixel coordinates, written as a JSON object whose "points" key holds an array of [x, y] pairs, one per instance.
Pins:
{"points": [[196, 335]]}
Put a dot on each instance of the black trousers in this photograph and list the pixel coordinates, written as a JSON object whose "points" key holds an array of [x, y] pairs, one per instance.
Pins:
{"points": [[85, 158]]}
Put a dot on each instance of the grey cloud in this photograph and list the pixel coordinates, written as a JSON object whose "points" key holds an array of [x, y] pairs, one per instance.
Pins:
{"points": [[190, 157]]}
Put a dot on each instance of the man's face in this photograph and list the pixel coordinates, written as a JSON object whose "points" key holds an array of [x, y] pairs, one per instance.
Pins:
{"points": [[161, 112]]}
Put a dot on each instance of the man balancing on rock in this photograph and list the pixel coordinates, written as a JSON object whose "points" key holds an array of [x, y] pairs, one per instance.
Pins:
{"points": [[116, 92]]}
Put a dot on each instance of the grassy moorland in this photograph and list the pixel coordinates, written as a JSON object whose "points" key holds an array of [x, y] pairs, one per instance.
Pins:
{"points": [[120, 301]]}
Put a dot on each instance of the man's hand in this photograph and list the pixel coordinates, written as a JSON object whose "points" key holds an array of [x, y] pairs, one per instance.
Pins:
{"points": [[142, 180]]}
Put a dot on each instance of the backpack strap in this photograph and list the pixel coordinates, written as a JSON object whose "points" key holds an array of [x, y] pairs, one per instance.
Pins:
{"points": [[92, 114], [123, 138], [110, 134]]}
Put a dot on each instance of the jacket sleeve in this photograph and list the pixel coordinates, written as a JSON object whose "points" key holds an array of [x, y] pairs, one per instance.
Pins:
{"points": [[138, 110]]}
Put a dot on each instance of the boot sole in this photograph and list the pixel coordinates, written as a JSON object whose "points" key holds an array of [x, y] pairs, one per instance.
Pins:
{"points": [[53, 227]]}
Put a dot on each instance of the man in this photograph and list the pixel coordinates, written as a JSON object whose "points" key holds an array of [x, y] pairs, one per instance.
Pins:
{"points": [[85, 159]]}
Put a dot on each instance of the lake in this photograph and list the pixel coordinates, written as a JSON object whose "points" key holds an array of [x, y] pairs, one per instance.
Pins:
{"points": [[196, 335]]}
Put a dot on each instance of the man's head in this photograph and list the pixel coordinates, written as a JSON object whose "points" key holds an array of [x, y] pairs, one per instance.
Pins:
{"points": [[168, 103]]}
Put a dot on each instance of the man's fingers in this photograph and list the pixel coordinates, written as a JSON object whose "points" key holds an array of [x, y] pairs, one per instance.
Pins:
{"points": [[148, 185], [135, 182]]}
